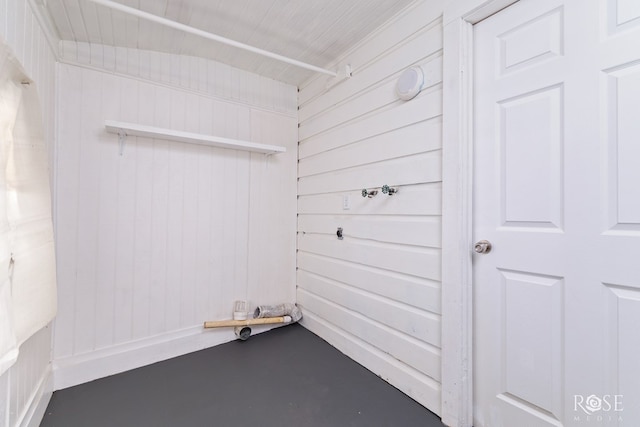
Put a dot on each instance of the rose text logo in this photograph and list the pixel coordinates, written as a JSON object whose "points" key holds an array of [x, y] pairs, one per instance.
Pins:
{"points": [[592, 404]]}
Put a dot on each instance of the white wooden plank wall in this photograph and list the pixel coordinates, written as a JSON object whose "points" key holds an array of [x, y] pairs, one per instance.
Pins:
{"points": [[26, 387], [20, 29], [156, 241], [192, 73], [376, 294], [27, 381]]}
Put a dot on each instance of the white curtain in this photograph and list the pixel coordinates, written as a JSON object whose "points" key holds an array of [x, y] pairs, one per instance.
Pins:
{"points": [[27, 258], [9, 102]]}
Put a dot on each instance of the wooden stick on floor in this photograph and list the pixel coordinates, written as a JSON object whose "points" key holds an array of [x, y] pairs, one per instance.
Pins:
{"points": [[248, 322]]}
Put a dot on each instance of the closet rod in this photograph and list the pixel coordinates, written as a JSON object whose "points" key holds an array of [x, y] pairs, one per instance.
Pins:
{"points": [[188, 29]]}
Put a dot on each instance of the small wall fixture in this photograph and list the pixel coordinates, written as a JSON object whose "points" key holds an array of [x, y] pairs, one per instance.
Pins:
{"points": [[369, 193], [389, 191], [344, 73], [410, 83]]}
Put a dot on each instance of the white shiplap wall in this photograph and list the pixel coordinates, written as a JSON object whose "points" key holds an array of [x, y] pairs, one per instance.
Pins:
{"points": [[26, 387], [20, 29], [156, 241], [376, 294], [190, 73]]}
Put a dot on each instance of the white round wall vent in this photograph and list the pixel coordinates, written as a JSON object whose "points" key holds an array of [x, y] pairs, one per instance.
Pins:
{"points": [[410, 83]]}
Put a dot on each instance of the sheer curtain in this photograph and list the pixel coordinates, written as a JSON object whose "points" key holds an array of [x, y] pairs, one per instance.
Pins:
{"points": [[27, 258], [9, 102]]}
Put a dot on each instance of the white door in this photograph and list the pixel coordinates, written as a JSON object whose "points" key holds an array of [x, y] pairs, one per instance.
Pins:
{"points": [[557, 193]]}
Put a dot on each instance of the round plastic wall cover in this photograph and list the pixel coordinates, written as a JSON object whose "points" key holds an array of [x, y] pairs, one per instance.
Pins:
{"points": [[410, 83]]}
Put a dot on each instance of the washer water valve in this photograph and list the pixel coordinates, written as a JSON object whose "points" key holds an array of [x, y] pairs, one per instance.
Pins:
{"points": [[369, 193], [390, 191]]}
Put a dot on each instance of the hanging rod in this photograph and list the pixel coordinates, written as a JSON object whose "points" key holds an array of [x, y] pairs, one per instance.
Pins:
{"points": [[188, 29]]}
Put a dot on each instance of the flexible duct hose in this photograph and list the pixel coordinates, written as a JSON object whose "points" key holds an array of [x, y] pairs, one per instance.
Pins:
{"points": [[285, 309]]}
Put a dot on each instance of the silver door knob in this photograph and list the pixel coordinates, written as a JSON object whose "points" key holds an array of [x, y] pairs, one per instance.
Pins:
{"points": [[482, 247]]}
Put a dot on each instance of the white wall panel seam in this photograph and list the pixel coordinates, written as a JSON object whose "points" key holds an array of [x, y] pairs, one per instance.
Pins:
{"points": [[433, 93], [404, 228], [421, 345], [389, 320], [366, 292], [322, 245], [371, 267], [370, 241], [369, 163], [416, 291], [375, 148], [421, 108]]}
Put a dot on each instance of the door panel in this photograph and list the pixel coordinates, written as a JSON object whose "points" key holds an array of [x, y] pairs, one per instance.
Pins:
{"points": [[622, 14], [530, 135], [557, 192], [532, 338], [622, 91], [532, 42]]}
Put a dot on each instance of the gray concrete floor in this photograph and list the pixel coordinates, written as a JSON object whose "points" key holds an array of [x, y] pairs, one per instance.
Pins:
{"points": [[284, 377]]}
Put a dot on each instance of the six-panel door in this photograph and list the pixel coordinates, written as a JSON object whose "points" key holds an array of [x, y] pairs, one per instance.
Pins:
{"points": [[557, 193]]}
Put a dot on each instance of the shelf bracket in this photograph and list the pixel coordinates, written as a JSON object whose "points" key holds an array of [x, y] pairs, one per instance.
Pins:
{"points": [[122, 138]]}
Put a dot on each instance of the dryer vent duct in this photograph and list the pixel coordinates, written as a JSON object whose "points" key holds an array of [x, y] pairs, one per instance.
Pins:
{"points": [[286, 309]]}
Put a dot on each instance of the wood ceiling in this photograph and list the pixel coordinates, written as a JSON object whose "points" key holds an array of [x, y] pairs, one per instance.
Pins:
{"points": [[312, 31]]}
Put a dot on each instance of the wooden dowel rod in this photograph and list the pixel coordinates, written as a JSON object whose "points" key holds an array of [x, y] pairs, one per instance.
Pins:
{"points": [[248, 322]]}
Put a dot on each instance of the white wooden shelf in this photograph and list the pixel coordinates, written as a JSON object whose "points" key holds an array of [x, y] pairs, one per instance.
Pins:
{"points": [[126, 129]]}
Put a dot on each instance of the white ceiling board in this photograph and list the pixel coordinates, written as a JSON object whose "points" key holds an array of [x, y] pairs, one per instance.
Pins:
{"points": [[75, 19], [92, 22], [105, 25], [315, 32], [149, 31]]}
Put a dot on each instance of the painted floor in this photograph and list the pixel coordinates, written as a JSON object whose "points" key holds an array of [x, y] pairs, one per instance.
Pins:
{"points": [[284, 377]]}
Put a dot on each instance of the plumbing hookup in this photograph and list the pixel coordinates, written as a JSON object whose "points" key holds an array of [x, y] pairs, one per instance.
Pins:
{"points": [[263, 315]]}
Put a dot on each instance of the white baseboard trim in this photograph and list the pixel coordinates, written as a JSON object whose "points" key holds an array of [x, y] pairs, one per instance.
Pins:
{"points": [[39, 401], [86, 367]]}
